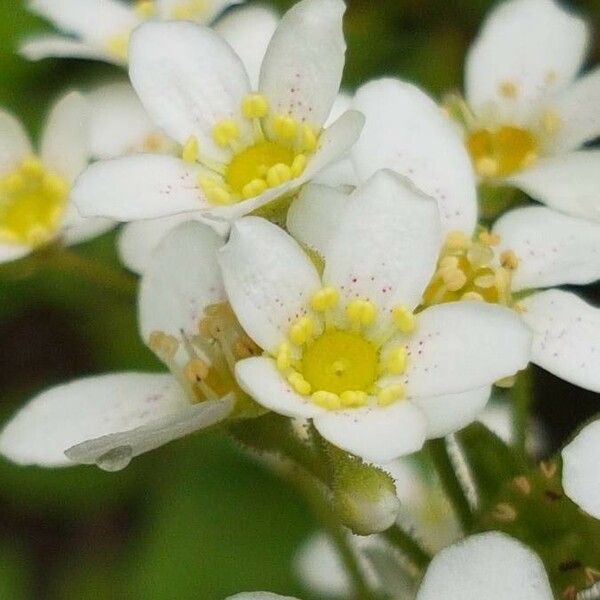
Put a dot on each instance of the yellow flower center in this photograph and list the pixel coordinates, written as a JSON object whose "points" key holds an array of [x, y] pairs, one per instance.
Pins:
{"points": [[254, 163], [274, 153], [339, 361], [32, 202], [466, 271], [501, 152]]}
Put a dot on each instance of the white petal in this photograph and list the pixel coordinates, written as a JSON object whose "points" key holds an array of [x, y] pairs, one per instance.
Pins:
{"points": [[144, 186], [188, 78], [138, 239], [269, 279], [568, 183], [315, 214], [260, 378], [580, 466], [91, 19], [85, 409], [49, 46], [451, 412], [578, 108], [119, 123], [464, 345], [566, 336], [75, 228], [14, 142], [167, 9], [10, 252], [248, 30], [303, 66], [407, 132], [341, 172], [65, 147], [552, 248], [375, 433], [533, 44], [341, 104], [259, 596], [113, 452], [489, 565], [182, 277], [385, 245]]}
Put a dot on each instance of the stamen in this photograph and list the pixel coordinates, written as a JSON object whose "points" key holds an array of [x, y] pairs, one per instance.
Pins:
{"points": [[255, 106], [278, 174], [509, 260], [297, 381], [190, 150], [165, 346], [309, 139], [118, 45], [144, 8], [404, 319], [395, 362], [327, 400], [302, 330], [324, 299], [285, 127], [225, 132], [353, 399], [390, 394], [361, 312]]}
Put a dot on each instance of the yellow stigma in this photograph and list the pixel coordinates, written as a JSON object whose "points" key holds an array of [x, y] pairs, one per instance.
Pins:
{"points": [[32, 203], [264, 162], [502, 152], [340, 361]]}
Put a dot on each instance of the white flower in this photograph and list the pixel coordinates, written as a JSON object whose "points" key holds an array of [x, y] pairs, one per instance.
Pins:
{"points": [[108, 419], [241, 150], [35, 196], [259, 596], [346, 349], [528, 113], [552, 249], [100, 29], [490, 565], [406, 131], [580, 469]]}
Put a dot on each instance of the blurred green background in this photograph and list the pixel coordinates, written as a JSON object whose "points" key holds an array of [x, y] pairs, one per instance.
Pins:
{"points": [[195, 519]]}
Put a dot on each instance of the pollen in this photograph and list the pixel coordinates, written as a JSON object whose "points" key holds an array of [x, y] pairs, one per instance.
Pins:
{"points": [[361, 312], [324, 299], [502, 152], [32, 204], [339, 361]]}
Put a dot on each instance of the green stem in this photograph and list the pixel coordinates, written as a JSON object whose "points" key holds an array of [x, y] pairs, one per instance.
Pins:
{"points": [[314, 493], [99, 274], [438, 451], [408, 546], [521, 396]]}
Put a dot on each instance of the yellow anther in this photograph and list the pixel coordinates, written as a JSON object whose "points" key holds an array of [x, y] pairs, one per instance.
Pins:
{"points": [[118, 45], [353, 399], [164, 345], [457, 241], [254, 188], [218, 195], [509, 260], [254, 106], [395, 362], [284, 126], [298, 165], [309, 139], [189, 152], [54, 185], [479, 255], [454, 279], [472, 296], [390, 394], [324, 299], [302, 330], [144, 8], [299, 384], [245, 347], [485, 281], [278, 174], [487, 167], [32, 167], [508, 89], [449, 262], [361, 312], [550, 121], [188, 9], [224, 132], [327, 400], [488, 239], [195, 370], [404, 320], [284, 357]]}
